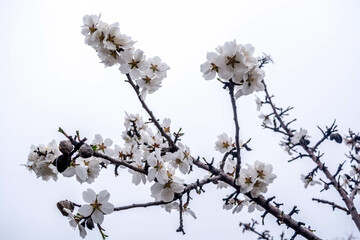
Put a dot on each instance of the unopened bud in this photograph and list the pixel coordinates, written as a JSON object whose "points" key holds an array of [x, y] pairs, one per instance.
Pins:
{"points": [[62, 162], [337, 137], [65, 147], [90, 224], [62, 205], [85, 151]]}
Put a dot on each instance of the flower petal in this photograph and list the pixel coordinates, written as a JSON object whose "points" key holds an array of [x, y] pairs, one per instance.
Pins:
{"points": [[85, 210], [97, 217], [107, 208], [167, 194], [103, 196], [156, 189], [89, 195]]}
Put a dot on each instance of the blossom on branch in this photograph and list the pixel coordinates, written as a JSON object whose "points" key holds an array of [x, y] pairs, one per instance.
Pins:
{"points": [[41, 160], [97, 206]]}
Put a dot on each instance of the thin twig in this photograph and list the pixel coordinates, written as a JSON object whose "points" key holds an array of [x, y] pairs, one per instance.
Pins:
{"points": [[334, 205]]}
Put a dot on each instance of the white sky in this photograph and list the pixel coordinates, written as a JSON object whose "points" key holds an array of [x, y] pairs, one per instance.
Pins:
{"points": [[50, 78]]}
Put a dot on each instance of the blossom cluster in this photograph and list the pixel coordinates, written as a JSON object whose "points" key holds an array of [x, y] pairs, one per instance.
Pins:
{"points": [[91, 213], [115, 48], [255, 178], [40, 160], [145, 148], [46, 161], [237, 205], [235, 62]]}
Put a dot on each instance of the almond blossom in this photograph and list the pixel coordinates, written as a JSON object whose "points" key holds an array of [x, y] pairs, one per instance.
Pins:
{"points": [[98, 205], [224, 143]]}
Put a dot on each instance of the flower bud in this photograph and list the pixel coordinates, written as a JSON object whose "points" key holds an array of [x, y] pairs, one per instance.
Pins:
{"points": [[337, 137], [65, 204], [65, 147], [90, 224], [85, 151], [62, 162]]}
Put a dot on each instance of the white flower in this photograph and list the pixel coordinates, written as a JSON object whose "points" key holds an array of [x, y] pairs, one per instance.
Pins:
{"points": [[166, 125], [137, 177], [174, 205], [266, 119], [308, 180], [114, 40], [211, 66], [286, 147], [85, 169], [252, 206], [186, 151], [230, 167], [247, 179], [252, 81], [41, 159], [224, 143], [258, 188], [345, 181], [157, 168], [297, 136], [258, 103], [178, 160], [264, 172], [157, 67], [233, 61], [103, 145], [74, 222], [248, 50], [150, 140], [95, 39], [355, 169], [98, 205], [166, 192], [237, 204], [133, 121], [90, 24], [148, 82], [133, 63]]}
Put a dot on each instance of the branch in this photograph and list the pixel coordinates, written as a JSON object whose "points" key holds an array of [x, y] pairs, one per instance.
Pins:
{"points": [[153, 119], [311, 151], [231, 86], [119, 162], [181, 227], [263, 202], [334, 205]]}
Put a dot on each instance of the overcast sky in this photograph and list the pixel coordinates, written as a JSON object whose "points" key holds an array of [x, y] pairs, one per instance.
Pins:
{"points": [[50, 78]]}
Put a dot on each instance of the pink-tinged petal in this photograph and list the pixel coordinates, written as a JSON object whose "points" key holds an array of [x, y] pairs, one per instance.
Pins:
{"points": [[85, 210], [97, 217], [103, 196], [156, 189], [167, 195], [89, 196], [107, 208]]}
